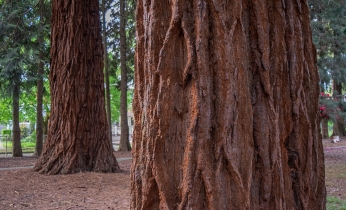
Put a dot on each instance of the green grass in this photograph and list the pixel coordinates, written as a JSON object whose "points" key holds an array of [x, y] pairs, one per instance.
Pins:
{"points": [[24, 144], [27, 147], [334, 203]]}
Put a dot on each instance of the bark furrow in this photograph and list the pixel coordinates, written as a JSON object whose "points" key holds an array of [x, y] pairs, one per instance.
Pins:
{"points": [[226, 107]]}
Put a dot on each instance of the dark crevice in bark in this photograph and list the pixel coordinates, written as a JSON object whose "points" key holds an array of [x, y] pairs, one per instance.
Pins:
{"points": [[215, 103]]}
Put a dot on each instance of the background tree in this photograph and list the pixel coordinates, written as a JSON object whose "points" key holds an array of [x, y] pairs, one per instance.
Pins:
{"points": [[16, 49], [78, 129], [122, 59], [44, 14], [329, 30], [226, 107], [104, 10], [124, 137]]}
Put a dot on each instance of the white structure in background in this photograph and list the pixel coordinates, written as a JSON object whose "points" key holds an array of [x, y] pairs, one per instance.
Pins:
{"points": [[9, 125], [335, 139], [117, 130]]}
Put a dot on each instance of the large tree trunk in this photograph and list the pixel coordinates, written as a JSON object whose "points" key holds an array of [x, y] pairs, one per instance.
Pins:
{"points": [[226, 107], [39, 106], [108, 98], [78, 130], [338, 128], [16, 144], [124, 137]]}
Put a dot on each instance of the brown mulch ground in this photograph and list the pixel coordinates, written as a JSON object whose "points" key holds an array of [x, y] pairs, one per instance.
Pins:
{"points": [[24, 189], [335, 163]]}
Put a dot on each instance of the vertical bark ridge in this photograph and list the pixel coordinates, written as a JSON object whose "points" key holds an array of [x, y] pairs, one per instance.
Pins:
{"points": [[222, 107]]}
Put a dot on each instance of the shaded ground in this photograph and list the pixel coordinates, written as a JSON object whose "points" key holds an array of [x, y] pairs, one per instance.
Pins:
{"points": [[24, 189], [335, 161]]}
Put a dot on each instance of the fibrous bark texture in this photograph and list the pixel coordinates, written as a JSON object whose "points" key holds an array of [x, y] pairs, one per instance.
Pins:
{"points": [[226, 107], [78, 130]]}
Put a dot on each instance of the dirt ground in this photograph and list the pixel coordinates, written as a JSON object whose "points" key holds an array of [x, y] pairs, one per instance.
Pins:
{"points": [[23, 189], [335, 163]]}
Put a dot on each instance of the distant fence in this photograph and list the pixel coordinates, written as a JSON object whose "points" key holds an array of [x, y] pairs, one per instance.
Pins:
{"points": [[28, 146], [4, 144]]}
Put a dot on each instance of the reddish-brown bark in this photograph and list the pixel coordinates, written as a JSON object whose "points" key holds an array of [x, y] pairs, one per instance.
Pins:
{"points": [[78, 130], [226, 107]]}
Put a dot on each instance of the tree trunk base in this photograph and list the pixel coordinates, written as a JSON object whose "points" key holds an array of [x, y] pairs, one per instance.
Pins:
{"points": [[57, 163]]}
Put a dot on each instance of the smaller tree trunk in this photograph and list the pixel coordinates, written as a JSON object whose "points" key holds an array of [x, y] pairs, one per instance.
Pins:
{"points": [[108, 99], [17, 147], [124, 137], [45, 127], [324, 123], [39, 114], [339, 127]]}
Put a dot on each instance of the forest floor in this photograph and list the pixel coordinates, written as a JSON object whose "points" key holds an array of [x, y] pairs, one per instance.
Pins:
{"points": [[23, 189], [335, 167]]}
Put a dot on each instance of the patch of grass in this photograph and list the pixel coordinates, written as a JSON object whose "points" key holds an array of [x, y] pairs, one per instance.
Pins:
{"points": [[334, 203], [24, 144], [342, 176], [27, 147]]}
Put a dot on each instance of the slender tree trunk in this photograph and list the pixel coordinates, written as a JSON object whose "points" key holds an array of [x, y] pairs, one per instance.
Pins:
{"points": [[226, 107], [324, 123], [16, 83], [78, 129], [338, 128], [124, 137], [45, 127], [17, 147], [108, 98], [39, 106]]}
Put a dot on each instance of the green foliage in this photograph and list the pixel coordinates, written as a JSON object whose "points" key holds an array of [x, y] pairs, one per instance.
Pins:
{"points": [[332, 107], [6, 132], [5, 110], [334, 203], [329, 35], [24, 131], [328, 25], [113, 22], [30, 138], [16, 51], [20, 27]]}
